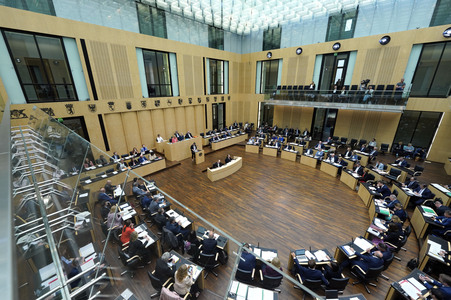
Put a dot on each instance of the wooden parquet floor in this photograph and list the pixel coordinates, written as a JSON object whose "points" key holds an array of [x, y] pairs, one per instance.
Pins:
{"points": [[277, 203]]}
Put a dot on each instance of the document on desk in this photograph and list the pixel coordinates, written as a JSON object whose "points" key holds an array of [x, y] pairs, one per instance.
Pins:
{"points": [[347, 249], [362, 243], [196, 271], [321, 255], [47, 271], [378, 223], [254, 293], [257, 251], [88, 181], [309, 255], [89, 262], [87, 250], [373, 231], [428, 212], [83, 195], [434, 250], [410, 289], [175, 258], [384, 211], [234, 287], [268, 255], [242, 290]]}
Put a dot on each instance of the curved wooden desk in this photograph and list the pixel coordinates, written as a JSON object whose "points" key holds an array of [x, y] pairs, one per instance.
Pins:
{"points": [[225, 170]]}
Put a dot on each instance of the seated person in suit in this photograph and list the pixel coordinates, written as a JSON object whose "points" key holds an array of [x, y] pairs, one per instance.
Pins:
{"points": [[155, 204], [379, 166], [164, 269], [342, 162], [145, 195], [309, 152], [217, 164], [122, 165], [422, 193], [363, 148], [247, 260], [332, 270], [74, 271], [401, 162], [391, 201], [366, 260], [319, 154], [328, 141], [411, 183], [354, 156], [399, 211], [419, 154], [398, 149], [382, 247], [101, 160], [114, 218], [348, 152], [105, 209], [115, 155], [382, 189], [310, 272], [269, 271], [373, 153], [391, 236], [142, 158], [88, 163], [439, 207], [160, 218], [444, 223], [441, 288], [136, 247], [188, 135], [319, 146], [228, 159], [358, 169], [175, 228], [105, 197], [127, 230], [332, 158], [159, 139], [143, 148], [288, 148], [109, 187]]}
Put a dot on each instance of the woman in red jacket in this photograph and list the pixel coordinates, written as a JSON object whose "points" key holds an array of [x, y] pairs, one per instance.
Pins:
{"points": [[126, 231]]}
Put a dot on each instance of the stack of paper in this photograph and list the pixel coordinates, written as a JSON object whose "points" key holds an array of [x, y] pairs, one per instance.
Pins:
{"points": [[372, 231], [362, 243], [268, 255], [410, 289], [348, 250], [175, 258], [309, 255], [428, 212], [378, 223], [257, 251], [434, 250], [321, 255], [87, 250]]}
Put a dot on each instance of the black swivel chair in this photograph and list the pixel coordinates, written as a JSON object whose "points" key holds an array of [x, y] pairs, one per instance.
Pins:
{"points": [[418, 170], [393, 175], [384, 148], [396, 247], [308, 283], [244, 275], [387, 263], [271, 282], [209, 262], [131, 263], [353, 142], [343, 141], [338, 284], [365, 277], [156, 284]]}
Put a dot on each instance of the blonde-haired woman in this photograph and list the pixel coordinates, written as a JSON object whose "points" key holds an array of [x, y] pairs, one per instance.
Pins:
{"points": [[114, 218], [184, 282]]}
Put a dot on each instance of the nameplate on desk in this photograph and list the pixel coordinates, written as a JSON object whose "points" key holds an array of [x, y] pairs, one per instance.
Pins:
{"points": [[104, 176], [83, 195], [88, 181]]}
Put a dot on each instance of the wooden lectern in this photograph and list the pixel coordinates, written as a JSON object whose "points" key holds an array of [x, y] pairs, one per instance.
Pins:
{"points": [[200, 157]]}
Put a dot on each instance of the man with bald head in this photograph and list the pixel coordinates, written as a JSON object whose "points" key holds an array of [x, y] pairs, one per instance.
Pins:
{"points": [[104, 197]]}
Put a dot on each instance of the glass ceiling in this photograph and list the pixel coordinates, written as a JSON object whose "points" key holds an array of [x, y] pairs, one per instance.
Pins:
{"points": [[244, 16]]}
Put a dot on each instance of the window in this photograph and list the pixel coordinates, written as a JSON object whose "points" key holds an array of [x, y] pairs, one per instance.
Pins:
{"points": [[441, 14], [431, 77], [216, 76], [417, 127], [333, 70], [158, 74], [215, 38], [152, 21], [42, 67], [43, 6], [271, 38], [269, 73], [341, 26]]}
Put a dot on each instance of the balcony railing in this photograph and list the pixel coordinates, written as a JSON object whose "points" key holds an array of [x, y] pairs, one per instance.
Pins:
{"points": [[348, 98]]}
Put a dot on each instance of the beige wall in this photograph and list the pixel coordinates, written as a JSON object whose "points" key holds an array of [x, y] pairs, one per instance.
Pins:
{"points": [[293, 117]]}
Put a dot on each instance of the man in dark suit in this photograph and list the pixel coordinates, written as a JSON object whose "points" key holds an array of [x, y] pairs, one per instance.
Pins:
{"points": [[160, 218], [209, 244], [116, 156], [163, 270], [373, 153], [104, 197], [309, 273], [228, 159], [412, 183], [247, 260], [358, 169], [382, 189], [193, 150], [367, 260], [332, 158], [109, 187], [175, 227], [444, 222], [440, 209], [348, 152], [422, 193], [401, 162], [319, 146], [217, 164], [188, 135]]}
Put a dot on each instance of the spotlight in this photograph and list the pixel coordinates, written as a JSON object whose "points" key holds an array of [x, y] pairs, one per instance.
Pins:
{"points": [[269, 55], [336, 46], [447, 32], [384, 40], [298, 50]]}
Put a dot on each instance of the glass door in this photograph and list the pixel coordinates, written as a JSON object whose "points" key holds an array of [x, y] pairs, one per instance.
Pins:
{"points": [[333, 70], [218, 115], [323, 123], [266, 114]]}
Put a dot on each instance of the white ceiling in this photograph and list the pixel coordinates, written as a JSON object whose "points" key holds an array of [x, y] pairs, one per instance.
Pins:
{"points": [[244, 16]]}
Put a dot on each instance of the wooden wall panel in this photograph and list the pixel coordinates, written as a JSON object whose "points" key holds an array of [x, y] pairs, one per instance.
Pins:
{"points": [[370, 64], [198, 75], [387, 66], [301, 70], [199, 114], [131, 130], [234, 73], [158, 126], [343, 123], [122, 71], [286, 117], [388, 123], [115, 133], [296, 116], [180, 120], [291, 66], [371, 125], [103, 71], [188, 74], [145, 128], [246, 112], [169, 121], [357, 123], [190, 119]]}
